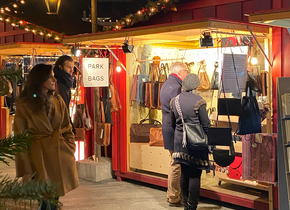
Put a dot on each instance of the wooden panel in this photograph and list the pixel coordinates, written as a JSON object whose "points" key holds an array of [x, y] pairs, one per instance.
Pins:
{"points": [[209, 12], [234, 11], [28, 37], [38, 38], [221, 12], [262, 5], [19, 38], [186, 15], [152, 159], [277, 4], [8, 28], [248, 8], [285, 3], [2, 29], [197, 13]]}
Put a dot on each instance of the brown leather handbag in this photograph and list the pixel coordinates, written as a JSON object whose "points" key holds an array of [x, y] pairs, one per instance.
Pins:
{"points": [[149, 88], [80, 134], [162, 79], [140, 132], [203, 77], [156, 137], [103, 130], [134, 84]]}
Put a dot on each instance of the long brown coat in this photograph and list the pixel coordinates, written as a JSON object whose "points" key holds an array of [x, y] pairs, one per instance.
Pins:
{"points": [[51, 156]]}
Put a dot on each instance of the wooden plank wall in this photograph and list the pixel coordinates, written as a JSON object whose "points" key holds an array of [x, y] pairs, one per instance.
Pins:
{"points": [[10, 34]]}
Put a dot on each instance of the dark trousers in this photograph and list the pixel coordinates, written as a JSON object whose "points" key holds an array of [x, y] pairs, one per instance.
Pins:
{"points": [[190, 184]]}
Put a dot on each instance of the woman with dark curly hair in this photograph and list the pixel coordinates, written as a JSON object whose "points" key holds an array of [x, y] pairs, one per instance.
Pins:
{"points": [[44, 114]]}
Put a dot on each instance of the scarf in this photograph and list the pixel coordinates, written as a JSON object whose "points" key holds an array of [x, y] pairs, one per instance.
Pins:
{"points": [[63, 77]]}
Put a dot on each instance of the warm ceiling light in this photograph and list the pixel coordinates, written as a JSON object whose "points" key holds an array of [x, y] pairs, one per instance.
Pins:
{"points": [[15, 11], [52, 6], [15, 5], [22, 2]]}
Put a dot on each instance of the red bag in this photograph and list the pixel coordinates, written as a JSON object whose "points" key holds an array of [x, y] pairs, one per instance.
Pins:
{"points": [[235, 171]]}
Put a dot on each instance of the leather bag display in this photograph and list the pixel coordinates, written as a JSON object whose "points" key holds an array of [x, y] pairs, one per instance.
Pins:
{"points": [[193, 134], [82, 117], [236, 169], [80, 134], [103, 130], [115, 103], [203, 77], [214, 85], [156, 137], [162, 77], [140, 132], [150, 91], [250, 118]]}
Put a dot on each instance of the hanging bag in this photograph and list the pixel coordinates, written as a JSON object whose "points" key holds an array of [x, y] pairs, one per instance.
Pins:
{"points": [[156, 137], [142, 79], [103, 130], [140, 132], [135, 84], [203, 77], [250, 118], [115, 103], [214, 85], [162, 79], [193, 134]]}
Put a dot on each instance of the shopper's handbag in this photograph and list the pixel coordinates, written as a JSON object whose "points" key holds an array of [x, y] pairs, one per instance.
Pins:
{"points": [[156, 137], [103, 130], [135, 84], [250, 118], [140, 132], [142, 78], [193, 134], [236, 169], [214, 85], [203, 78]]}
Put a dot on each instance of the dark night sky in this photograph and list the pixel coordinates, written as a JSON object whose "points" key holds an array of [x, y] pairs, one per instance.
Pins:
{"points": [[71, 11]]}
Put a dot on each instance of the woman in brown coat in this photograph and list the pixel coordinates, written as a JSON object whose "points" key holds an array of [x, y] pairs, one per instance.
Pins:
{"points": [[44, 114]]}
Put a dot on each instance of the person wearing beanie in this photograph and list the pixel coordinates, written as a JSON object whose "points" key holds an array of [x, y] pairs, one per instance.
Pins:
{"points": [[192, 162], [170, 89]]}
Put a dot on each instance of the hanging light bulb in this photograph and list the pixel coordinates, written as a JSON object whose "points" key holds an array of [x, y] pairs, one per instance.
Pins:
{"points": [[22, 2], [15, 5], [253, 58], [118, 66]]}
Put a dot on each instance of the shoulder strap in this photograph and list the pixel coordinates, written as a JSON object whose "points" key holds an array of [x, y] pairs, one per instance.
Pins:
{"points": [[177, 105]]}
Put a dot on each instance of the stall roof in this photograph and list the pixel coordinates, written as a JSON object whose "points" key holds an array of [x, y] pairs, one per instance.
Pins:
{"points": [[186, 32], [25, 48], [279, 18]]}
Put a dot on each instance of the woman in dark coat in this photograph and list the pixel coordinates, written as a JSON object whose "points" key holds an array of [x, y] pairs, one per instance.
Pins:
{"points": [[192, 162]]}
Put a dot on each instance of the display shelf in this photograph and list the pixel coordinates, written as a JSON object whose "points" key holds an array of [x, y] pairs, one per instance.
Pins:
{"points": [[246, 183]]}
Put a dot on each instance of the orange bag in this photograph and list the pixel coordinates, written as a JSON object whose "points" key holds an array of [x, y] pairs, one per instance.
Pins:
{"points": [[203, 77], [156, 137], [103, 130]]}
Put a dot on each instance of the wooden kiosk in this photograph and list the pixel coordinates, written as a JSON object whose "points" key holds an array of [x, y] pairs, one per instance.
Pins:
{"points": [[173, 42]]}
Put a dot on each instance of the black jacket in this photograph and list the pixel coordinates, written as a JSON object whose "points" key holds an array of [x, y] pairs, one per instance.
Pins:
{"points": [[170, 89]]}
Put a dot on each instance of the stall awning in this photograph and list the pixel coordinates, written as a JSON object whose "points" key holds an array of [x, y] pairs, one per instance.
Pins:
{"points": [[24, 48], [279, 18], [184, 33]]}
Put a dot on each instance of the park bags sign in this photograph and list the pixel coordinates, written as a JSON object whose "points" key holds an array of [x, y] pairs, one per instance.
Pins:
{"points": [[95, 72]]}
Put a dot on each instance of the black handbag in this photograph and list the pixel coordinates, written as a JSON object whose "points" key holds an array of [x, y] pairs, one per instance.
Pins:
{"points": [[193, 134], [253, 83], [231, 106], [222, 157], [214, 85], [250, 118]]}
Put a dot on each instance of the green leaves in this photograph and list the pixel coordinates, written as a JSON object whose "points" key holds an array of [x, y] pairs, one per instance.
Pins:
{"points": [[13, 144], [11, 74]]}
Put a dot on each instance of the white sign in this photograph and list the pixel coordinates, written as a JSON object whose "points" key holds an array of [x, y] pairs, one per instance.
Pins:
{"points": [[95, 72], [234, 80]]}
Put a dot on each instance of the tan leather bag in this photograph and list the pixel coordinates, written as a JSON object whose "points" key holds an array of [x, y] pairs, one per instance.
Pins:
{"points": [[149, 88], [134, 84], [80, 134], [103, 130], [156, 137], [162, 78], [203, 78]]}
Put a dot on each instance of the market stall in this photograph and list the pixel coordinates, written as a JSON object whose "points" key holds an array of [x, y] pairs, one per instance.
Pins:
{"points": [[166, 43]]}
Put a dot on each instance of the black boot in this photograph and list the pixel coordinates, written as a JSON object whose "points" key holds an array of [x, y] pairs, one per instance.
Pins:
{"points": [[184, 194], [192, 201]]}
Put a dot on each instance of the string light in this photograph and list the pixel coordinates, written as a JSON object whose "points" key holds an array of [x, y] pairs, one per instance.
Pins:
{"points": [[41, 33], [7, 9], [49, 35], [22, 2], [33, 31], [139, 12], [15, 5], [21, 22], [7, 20]]}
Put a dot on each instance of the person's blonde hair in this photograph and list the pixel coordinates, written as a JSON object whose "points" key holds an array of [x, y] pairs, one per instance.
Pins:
{"points": [[176, 67]]}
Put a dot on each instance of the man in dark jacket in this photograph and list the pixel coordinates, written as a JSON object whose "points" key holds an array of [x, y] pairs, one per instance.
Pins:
{"points": [[170, 89], [63, 70]]}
